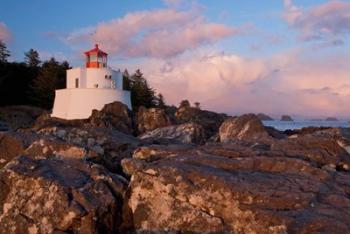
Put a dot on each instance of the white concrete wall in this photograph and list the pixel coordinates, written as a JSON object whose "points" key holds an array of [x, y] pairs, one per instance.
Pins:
{"points": [[72, 74], [79, 103], [89, 77], [97, 76]]}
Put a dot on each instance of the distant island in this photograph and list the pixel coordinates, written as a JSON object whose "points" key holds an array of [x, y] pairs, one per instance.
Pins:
{"points": [[286, 118], [331, 119]]}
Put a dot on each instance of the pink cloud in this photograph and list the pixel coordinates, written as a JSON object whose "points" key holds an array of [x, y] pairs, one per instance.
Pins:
{"points": [[158, 33], [5, 34], [330, 21], [291, 83]]}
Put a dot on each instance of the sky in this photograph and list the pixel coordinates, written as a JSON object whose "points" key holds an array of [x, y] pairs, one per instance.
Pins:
{"points": [[233, 56]]}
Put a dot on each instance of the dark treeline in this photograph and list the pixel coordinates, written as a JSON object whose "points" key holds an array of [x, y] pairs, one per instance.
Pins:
{"points": [[33, 82]]}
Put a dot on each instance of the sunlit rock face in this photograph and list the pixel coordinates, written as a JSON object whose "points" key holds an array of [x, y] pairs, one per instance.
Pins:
{"points": [[210, 121], [150, 119], [96, 176], [184, 133], [114, 116], [239, 188], [245, 127], [50, 195]]}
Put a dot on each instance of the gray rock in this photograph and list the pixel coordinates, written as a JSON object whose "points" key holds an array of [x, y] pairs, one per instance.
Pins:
{"points": [[42, 196], [150, 119], [183, 133], [245, 127]]}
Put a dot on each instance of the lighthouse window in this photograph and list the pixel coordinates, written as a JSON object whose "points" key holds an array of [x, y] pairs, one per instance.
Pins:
{"points": [[77, 83], [106, 77]]}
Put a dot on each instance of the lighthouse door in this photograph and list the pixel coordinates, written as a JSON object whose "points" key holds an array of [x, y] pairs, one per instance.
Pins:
{"points": [[77, 83]]}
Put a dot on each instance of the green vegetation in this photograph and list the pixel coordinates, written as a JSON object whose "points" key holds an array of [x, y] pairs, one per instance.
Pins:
{"points": [[141, 92]]}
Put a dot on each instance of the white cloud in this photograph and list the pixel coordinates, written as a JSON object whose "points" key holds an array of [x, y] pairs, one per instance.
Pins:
{"points": [[291, 82], [329, 21], [158, 33]]}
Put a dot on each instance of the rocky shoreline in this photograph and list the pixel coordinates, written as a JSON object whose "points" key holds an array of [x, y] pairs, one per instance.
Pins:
{"points": [[179, 171]]}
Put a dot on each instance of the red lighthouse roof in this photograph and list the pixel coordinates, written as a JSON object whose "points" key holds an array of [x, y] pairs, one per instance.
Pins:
{"points": [[96, 58], [96, 50]]}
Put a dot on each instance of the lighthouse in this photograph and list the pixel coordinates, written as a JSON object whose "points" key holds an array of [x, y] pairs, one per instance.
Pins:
{"points": [[90, 87]]}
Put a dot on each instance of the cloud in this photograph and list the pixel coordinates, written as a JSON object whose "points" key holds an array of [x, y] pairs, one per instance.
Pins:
{"points": [[5, 34], [329, 21], [292, 82], [158, 33]]}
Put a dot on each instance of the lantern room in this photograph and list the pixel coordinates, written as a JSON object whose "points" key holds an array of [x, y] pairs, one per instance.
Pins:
{"points": [[96, 58]]}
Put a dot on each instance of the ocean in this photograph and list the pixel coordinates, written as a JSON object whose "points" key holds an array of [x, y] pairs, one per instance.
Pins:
{"points": [[297, 124]]}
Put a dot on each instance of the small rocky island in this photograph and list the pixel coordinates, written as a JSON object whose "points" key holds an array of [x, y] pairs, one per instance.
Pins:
{"points": [[286, 118], [181, 170], [331, 119]]}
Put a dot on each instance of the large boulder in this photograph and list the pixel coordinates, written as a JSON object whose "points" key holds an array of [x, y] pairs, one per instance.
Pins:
{"points": [[211, 121], [59, 196], [184, 133], [225, 189], [114, 116], [340, 135], [150, 119], [320, 150], [245, 127], [99, 145]]}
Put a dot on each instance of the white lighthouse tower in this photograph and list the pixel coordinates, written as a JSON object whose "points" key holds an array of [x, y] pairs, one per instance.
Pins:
{"points": [[90, 87]]}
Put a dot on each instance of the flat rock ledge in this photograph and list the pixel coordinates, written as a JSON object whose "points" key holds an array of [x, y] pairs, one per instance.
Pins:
{"points": [[235, 189]]}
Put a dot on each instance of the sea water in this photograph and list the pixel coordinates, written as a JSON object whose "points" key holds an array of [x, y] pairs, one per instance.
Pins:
{"points": [[297, 124]]}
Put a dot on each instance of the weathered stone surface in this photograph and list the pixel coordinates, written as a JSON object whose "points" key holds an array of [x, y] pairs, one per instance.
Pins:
{"points": [[114, 116], [245, 127], [103, 146], [321, 151], [150, 119], [210, 121], [52, 195], [197, 191], [340, 135], [183, 133]]}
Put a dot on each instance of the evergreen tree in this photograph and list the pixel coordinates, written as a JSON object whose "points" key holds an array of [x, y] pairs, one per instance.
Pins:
{"points": [[4, 53], [15, 80], [141, 93], [126, 80], [161, 102], [52, 76], [32, 58], [184, 103]]}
